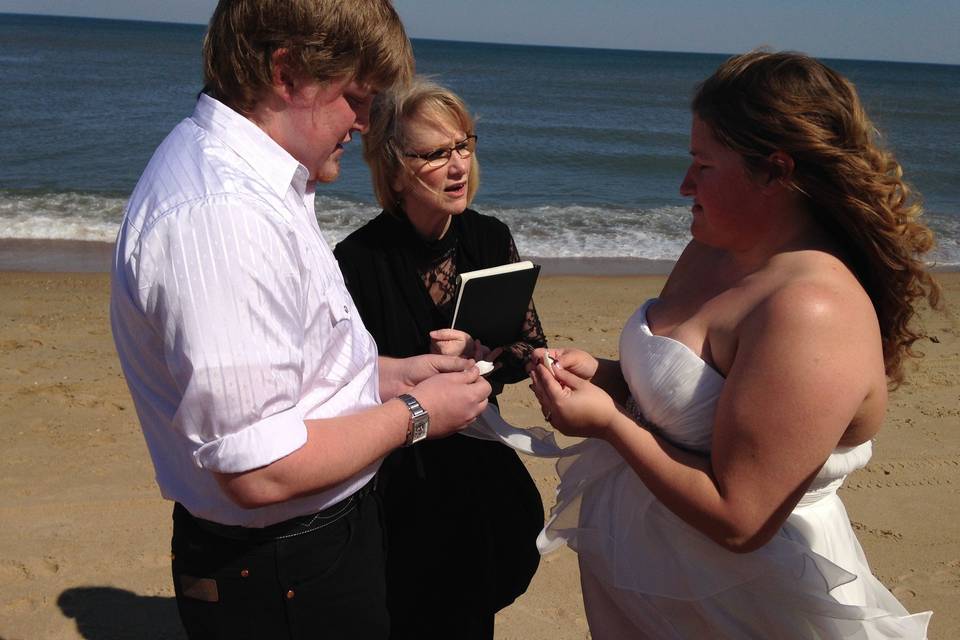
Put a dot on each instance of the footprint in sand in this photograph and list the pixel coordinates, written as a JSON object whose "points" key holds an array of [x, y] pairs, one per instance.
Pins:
{"points": [[944, 579], [887, 534], [13, 570]]}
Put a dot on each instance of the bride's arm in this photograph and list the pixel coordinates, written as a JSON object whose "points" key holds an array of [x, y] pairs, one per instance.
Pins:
{"points": [[806, 361]]}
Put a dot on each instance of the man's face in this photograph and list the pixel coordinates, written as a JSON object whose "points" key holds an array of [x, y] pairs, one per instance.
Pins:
{"points": [[321, 119]]}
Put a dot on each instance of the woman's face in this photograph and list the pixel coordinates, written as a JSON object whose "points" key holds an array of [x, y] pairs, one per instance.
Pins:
{"points": [[427, 192], [726, 200]]}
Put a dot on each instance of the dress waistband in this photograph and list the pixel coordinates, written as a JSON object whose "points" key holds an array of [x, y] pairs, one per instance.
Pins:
{"points": [[816, 494]]}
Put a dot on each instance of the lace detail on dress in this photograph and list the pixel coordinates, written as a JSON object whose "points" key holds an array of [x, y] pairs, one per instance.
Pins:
{"points": [[516, 355], [439, 277]]}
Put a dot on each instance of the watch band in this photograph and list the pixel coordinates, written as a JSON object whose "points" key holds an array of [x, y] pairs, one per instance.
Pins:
{"points": [[419, 423]]}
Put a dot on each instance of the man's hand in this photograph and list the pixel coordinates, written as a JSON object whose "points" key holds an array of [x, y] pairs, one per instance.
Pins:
{"points": [[453, 400], [400, 375]]}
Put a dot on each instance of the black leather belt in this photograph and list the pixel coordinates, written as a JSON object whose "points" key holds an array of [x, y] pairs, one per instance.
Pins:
{"points": [[296, 526]]}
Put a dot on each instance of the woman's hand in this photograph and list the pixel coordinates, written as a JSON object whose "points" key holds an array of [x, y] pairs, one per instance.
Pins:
{"points": [[453, 342], [576, 361], [574, 406]]}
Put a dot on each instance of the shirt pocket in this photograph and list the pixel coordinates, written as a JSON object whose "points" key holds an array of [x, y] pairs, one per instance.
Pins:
{"points": [[345, 348], [340, 305]]}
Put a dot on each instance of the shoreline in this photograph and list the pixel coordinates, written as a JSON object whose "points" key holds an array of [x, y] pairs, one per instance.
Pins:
{"points": [[55, 256], [93, 256]]}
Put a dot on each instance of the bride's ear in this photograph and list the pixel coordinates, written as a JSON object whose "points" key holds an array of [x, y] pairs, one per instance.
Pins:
{"points": [[777, 170]]}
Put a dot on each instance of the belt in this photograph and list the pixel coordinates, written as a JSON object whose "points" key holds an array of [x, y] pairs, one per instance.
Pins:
{"points": [[296, 526]]}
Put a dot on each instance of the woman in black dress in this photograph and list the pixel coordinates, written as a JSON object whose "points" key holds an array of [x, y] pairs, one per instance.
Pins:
{"points": [[462, 514]]}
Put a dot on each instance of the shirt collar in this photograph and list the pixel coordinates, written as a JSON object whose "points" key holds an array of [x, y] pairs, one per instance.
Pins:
{"points": [[268, 159]]}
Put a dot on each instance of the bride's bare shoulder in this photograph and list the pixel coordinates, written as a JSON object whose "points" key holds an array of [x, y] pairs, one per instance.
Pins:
{"points": [[816, 289]]}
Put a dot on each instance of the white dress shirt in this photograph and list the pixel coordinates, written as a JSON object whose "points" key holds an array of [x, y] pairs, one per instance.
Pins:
{"points": [[230, 315]]}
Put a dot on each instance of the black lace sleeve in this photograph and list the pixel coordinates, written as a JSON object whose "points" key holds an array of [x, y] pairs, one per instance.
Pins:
{"points": [[516, 355]]}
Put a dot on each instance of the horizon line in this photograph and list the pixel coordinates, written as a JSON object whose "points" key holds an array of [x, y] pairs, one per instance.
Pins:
{"points": [[517, 44]]}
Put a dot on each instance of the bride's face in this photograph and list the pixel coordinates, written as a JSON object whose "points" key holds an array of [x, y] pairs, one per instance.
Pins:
{"points": [[726, 199]]}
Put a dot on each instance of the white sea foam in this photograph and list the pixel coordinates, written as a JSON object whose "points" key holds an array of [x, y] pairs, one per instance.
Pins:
{"points": [[575, 231], [946, 253], [659, 233], [60, 216]]}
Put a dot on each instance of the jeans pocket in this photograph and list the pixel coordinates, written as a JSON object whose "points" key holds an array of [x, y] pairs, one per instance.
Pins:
{"points": [[338, 590], [225, 590]]}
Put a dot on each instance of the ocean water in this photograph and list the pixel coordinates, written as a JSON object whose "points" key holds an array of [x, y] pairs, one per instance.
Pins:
{"points": [[582, 150]]}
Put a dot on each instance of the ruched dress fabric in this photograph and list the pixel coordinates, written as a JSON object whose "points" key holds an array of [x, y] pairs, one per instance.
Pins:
{"points": [[647, 574]]}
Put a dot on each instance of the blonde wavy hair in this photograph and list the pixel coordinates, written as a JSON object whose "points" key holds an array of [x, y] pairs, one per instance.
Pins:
{"points": [[386, 140], [760, 102], [325, 39]]}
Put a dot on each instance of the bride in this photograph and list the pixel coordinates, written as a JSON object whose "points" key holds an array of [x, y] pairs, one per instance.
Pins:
{"points": [[759, 377]]}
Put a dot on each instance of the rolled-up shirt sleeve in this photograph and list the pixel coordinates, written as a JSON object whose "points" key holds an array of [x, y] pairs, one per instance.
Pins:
{"points": [[221, 281], [259, 444]]}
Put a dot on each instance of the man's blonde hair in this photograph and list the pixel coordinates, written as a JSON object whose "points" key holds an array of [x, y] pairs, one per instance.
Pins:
{"points": [[385, 142], [325, 39]]}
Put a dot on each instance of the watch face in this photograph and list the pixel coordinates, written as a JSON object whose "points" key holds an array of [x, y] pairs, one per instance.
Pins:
{"points": [[419, 423], [419, 430]]}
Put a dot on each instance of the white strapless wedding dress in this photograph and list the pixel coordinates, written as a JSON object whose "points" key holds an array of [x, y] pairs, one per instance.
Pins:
{"points": [[647, 574]]}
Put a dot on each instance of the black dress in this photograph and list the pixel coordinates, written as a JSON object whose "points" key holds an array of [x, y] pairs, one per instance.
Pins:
{"points": [[462, 515]]}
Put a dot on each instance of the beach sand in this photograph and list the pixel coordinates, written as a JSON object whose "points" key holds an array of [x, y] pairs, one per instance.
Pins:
{"points": [[84, 540]]}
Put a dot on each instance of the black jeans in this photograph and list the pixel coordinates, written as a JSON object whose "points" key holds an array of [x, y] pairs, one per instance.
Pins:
{"points": [[322, 578]]}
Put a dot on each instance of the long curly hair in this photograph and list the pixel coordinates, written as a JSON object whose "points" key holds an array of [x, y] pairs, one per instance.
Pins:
{"points": [[760, 102]]}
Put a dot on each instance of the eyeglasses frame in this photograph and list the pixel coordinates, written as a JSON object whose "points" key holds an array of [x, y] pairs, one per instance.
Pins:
{"points": [[449, 152]]}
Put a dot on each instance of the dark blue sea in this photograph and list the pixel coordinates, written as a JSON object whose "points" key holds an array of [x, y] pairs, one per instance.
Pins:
{"points": [[582, 150]]}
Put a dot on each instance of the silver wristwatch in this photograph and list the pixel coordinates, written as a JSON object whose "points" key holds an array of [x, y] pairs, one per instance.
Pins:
{"points": [[419, 423]]}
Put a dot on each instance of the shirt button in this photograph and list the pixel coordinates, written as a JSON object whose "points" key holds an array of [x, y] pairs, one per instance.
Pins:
{"points": [[345, 309], [291, 594], [244, 573]]}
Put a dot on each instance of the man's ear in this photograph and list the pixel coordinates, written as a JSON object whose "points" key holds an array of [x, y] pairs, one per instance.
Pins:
{"points": [[283, 79]]}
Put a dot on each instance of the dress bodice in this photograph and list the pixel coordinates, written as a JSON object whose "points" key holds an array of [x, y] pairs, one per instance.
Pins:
{"points": [[675, 392]]}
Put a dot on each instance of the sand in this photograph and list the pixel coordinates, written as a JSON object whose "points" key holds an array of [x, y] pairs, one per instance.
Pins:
{"points": [[84, 539]]}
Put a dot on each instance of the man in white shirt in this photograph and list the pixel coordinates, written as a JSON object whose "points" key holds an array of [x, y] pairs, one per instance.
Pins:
{"points": [[262, 400]]}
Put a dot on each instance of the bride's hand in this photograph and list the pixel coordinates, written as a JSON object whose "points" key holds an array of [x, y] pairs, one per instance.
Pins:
{"points": [[576, 361], [572, 405]]}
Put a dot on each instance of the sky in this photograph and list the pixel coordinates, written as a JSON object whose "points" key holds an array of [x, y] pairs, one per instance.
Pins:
{"points": [[909, 31]]}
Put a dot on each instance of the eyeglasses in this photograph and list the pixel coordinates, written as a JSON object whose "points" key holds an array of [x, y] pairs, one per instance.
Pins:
{"points": [[440, 157]]}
